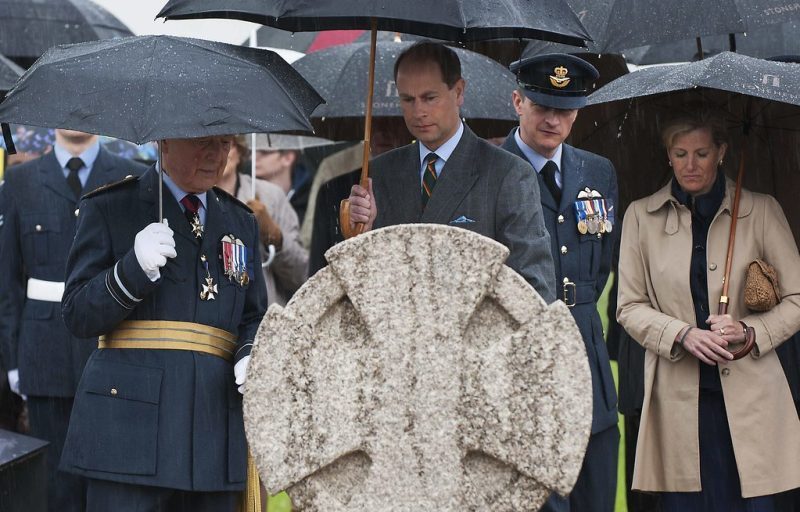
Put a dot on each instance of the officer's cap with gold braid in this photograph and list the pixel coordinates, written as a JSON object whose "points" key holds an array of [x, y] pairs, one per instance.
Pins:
{"points": [[556, 80]]}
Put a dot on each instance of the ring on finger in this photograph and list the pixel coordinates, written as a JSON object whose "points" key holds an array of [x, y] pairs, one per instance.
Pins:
{"points": [[722, 331]]}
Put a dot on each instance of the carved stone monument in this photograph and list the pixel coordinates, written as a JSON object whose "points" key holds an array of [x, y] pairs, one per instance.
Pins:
{"points": [[417, 372]]}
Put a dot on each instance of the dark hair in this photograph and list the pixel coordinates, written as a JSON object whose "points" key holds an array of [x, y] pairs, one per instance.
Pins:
{"points": [[428, 51], [698, 118]]}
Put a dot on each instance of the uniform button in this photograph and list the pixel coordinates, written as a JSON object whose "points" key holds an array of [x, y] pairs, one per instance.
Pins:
{"points": [[600, 235], [712, 266], [38, 227], [129, 176], [560, 219], [113, 391], [726, 372], [76, 211], [563, 249]]}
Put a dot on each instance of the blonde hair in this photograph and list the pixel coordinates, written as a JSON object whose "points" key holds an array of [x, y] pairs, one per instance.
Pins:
{"points": [[698, 119]]}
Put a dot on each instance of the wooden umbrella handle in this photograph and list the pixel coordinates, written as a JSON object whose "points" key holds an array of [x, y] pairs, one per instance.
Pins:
{"points": [[749, 343]]}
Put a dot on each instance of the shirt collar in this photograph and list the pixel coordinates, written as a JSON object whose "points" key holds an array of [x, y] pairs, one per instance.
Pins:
{"points": [[445, 150], [177, 192], [88, 156], [535, 158]]}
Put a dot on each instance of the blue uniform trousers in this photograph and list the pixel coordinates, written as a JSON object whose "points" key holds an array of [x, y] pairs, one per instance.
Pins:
{"points": [[719, 477], [596, 488], [105, 495], [49, 419]]}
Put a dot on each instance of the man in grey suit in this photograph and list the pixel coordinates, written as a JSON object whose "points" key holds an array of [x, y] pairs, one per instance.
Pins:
{"points": [[450, 176], [578, 195]]}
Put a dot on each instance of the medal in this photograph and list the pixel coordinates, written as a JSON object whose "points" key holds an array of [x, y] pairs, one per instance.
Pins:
{"points": [[593, 225], [197, 227], [608, 225], [234, 260], [209, 289], [582, 227]]}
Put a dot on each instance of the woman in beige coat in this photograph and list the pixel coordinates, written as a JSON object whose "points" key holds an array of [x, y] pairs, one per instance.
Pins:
{"points": [[715, 434]]}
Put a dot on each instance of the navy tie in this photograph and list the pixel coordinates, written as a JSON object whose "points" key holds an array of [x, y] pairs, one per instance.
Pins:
{"points": [[74, 164], [549, 175]]}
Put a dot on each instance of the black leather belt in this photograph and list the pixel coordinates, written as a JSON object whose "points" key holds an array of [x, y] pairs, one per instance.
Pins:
{"points": [[577, 293]]}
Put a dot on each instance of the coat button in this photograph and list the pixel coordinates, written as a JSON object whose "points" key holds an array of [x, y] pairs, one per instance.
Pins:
{"points": [[38, 227], [563, 249], [560, 219], [726, 372], [76, 211], [113, 391], [712, 266]]}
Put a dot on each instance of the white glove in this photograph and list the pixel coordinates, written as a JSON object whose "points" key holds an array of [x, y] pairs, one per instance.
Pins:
{"points": [[240, 372], [152, 246], [13, 380]]}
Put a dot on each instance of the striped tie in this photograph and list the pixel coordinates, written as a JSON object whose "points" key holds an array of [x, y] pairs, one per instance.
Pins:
{"points": [[429, 178]]}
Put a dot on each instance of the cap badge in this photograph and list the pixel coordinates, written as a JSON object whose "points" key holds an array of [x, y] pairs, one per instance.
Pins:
{"points": [[560, 80]]}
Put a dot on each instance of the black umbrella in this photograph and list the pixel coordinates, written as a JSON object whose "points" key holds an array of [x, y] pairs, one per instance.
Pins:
{"points": [[153, 87], [760, 100], [453, 20], [29, 27], [9, 73], [783, 39], [337, 73], [618, 25]]}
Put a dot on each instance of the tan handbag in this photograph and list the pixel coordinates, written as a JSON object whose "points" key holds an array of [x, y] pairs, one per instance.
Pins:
{"points": [[761, 290]]}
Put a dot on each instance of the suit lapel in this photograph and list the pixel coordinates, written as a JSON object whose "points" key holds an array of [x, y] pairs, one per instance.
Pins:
{"points": [[52, 177], [215, 227], [572, 178], [148, 193], [455, 181], [405, 195], [548, 201], [101, 170]]}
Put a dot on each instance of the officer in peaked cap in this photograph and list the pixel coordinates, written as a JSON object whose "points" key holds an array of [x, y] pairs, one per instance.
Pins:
{"points": [[579, 197]]}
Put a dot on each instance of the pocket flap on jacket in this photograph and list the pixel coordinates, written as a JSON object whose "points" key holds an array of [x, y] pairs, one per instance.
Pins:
{"points": [[125, 381]]}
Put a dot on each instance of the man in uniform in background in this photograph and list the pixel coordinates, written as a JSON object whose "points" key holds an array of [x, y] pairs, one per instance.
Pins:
{"points": [[44, 361], [157, 422], [578, 197], [450, 176]]}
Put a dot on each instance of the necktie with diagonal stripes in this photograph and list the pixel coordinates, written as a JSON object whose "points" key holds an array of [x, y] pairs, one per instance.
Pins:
{"points": [[429, 178]]}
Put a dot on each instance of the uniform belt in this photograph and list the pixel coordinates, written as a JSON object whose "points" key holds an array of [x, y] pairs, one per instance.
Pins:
{"points": [[167, 335], [50, 291], [577, 293]]}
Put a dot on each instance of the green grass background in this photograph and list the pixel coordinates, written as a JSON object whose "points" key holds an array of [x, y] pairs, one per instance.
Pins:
{"points": [[282, 503]]}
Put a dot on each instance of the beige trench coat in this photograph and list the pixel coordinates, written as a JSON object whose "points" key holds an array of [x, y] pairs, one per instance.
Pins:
{"points": [[289, 270], [655, 303]]}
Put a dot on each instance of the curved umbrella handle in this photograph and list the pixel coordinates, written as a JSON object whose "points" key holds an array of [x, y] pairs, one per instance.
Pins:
{"points": [[344, 221], [749, 343]]}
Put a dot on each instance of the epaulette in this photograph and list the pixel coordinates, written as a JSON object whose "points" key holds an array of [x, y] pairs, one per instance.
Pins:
{"points": [[232, 198], [104, 188]]}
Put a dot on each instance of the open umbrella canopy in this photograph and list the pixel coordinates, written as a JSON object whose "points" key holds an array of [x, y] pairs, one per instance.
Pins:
{"points": [[450, 20], [618, 25], [758, 99], [29, 27], [338, 74], [9, 73], [153, 87]]}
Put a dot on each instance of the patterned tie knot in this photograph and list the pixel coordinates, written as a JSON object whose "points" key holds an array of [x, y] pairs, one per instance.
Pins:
{"points": [[74, 164], [191, 202]]}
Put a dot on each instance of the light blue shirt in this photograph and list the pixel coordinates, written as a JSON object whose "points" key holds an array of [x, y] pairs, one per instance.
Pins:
{"points": [[89, 156], [444, 152], [180, 194], [538, 160]]}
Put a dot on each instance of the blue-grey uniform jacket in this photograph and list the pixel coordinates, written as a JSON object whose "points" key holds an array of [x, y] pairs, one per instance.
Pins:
{"points": [[174, 417], [584, 259], [39, 213]]}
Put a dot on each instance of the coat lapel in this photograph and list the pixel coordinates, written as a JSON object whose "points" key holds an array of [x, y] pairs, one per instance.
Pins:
{"points": [[455, 181], [405, 196], [572, 178], [101, 171], [52, 177], [148, 193], [547, 199]]}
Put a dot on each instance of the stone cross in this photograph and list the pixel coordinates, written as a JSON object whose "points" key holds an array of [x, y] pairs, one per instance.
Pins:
{"points": [[418, 372]]}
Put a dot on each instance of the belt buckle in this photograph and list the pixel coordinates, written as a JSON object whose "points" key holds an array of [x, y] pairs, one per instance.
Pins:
{"points": [[566, 287]]}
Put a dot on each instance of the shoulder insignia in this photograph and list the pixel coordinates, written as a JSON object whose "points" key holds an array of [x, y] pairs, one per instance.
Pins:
{"points": [[231, 198], [99, 190]]}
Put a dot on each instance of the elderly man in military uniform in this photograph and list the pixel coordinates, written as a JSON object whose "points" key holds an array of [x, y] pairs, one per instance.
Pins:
{"points": [[578, 196], [45, 362], [157, 422]]}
